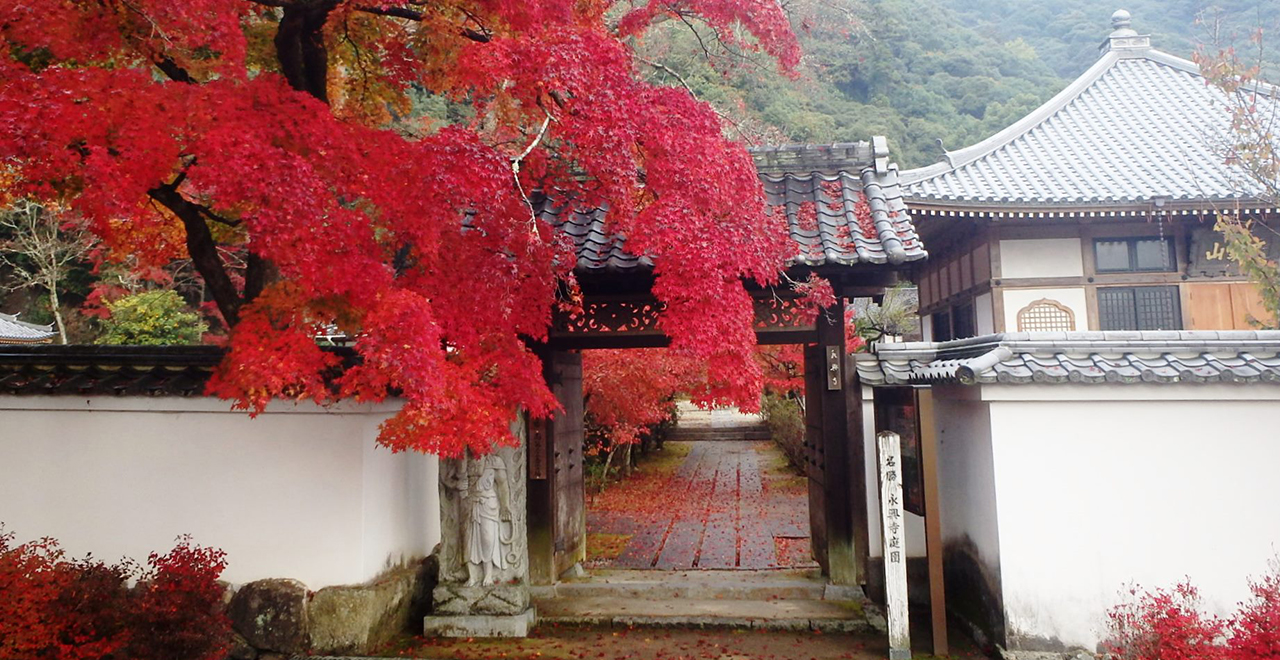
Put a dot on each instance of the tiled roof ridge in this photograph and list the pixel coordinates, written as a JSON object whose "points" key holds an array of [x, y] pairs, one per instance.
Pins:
{"points": [[1176, 356], [13, 330], [13, 318], [848, 156]]}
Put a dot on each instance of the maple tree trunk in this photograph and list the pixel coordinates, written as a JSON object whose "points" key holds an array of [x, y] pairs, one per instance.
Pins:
{"points": [[300, 48], [608, 458], [203, 251]]}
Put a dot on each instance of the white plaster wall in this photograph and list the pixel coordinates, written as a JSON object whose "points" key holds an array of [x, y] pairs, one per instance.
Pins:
{"points": [[1113, 484], [913, 524], [401, 510], [926, 328], [966, 472], [1041, 257], [1070, 297], [985, 314], [299, 491]]}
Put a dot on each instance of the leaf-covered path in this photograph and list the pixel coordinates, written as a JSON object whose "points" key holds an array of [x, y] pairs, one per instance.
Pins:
{"points": [[723, 505]]}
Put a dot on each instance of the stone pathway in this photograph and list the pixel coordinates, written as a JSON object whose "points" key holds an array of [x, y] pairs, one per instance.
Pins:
{"points": [[720, 510]]}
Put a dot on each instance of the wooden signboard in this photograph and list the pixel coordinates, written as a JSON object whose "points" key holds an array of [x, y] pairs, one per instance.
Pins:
{"points": [[893, 526]]}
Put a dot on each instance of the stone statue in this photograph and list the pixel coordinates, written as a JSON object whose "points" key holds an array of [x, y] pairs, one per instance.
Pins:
{"points": [[484, 545], [489, 529]]}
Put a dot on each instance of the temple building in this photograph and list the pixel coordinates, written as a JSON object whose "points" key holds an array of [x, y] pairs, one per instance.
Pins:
{"points": [[1101, 403], [1094, 212], [13, 331]]}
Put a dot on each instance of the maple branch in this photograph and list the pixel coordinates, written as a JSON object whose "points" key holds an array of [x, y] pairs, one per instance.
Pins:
{"points": [[201, 248], [481, 36], [173, 70], [737, 125], [515, 171]]}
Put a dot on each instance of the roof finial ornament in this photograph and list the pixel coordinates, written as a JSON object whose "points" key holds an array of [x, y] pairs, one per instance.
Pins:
{"points": [[1123, 37], [1121, 20], [945, 154]]}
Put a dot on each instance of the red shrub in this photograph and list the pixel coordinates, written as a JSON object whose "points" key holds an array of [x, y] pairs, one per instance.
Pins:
{"points": [[1255, 629], [32, 577], [53, 608], [1165, 625], [177, 606]]}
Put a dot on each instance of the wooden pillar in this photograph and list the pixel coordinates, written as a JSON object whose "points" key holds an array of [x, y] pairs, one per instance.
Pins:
{"points": [[933, 520], [557, 496], [838, 414]]}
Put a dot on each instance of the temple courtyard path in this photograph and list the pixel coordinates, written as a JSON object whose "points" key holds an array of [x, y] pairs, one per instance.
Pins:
{"points": [[703, 505]]}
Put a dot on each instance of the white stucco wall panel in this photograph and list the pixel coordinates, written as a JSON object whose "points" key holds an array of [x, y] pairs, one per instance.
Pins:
{"points": [[299, 491], [966, 473], [984, 314], [1095, 494], [1072, 298], [1041, 257], [912, 524]]}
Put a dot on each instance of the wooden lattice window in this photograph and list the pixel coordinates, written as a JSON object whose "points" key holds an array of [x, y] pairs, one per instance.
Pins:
{"points": [[1045, 314], [1139, 308]]}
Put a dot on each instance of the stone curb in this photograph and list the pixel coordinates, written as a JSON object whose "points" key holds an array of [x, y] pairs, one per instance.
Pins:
{"points": [[710, 622]]}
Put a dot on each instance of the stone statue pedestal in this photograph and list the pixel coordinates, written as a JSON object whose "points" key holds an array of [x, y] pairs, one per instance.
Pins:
{"points": [[500, 610], [484, 547]]}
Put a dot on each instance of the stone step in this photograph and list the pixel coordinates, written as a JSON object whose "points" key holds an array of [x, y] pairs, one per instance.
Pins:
{"points": [[694, 434], [822, 615], [718, 585]]}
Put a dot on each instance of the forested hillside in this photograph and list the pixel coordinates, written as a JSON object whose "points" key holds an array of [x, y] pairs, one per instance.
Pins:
{"points": [[1065, 33], [920, 71]]}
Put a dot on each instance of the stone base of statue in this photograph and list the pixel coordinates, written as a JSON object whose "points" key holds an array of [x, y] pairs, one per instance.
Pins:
{"points": [[497, 610], [481, 625], [497, 599]]}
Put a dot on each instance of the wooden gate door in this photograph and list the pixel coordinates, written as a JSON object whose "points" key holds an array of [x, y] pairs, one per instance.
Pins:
{"points": [[835, 454], [815, 460], [557, 494]]}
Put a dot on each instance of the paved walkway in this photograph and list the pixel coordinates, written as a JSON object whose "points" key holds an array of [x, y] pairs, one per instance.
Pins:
{"points": [[720, 510]]}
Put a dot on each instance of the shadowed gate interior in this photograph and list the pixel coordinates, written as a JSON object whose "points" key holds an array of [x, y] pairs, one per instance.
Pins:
{"points": [[845, 214]]}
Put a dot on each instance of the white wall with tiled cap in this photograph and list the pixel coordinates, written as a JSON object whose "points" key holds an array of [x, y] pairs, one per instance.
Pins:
{"points": [[1099, 486], [299, 492]]}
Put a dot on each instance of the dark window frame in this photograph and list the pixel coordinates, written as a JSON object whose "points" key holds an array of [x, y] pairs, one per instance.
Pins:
{"points": [[964, 320], [1134, 309], [1132, 243], [940, 325]]}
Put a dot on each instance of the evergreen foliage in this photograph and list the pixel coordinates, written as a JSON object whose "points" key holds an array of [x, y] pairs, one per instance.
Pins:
{"points": [[151, 318]]}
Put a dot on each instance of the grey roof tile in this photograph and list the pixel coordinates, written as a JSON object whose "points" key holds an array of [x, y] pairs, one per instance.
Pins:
{"points": [[858, 211], [1139, 124], [1080, 357], [13, 331]]}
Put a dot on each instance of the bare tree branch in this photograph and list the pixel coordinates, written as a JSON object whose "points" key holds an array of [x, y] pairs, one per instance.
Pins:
{"points": [[41, 248]]}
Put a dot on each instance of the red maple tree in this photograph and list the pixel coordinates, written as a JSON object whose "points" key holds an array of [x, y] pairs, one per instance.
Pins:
{"points": [[273, 142]]}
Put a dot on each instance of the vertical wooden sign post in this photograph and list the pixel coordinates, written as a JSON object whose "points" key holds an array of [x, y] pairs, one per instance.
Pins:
{"points": [[889, 447]]}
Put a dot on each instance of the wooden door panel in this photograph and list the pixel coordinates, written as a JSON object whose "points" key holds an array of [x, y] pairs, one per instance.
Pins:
{"points": [[1246, 302], [1210, 306]]}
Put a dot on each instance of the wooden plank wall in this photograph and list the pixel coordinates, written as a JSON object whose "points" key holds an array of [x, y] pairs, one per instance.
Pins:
{"points": [[1222, 306]]}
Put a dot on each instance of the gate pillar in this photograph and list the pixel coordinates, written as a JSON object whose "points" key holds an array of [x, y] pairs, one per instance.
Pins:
{"points": [[557, 493], [836, 470]]}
